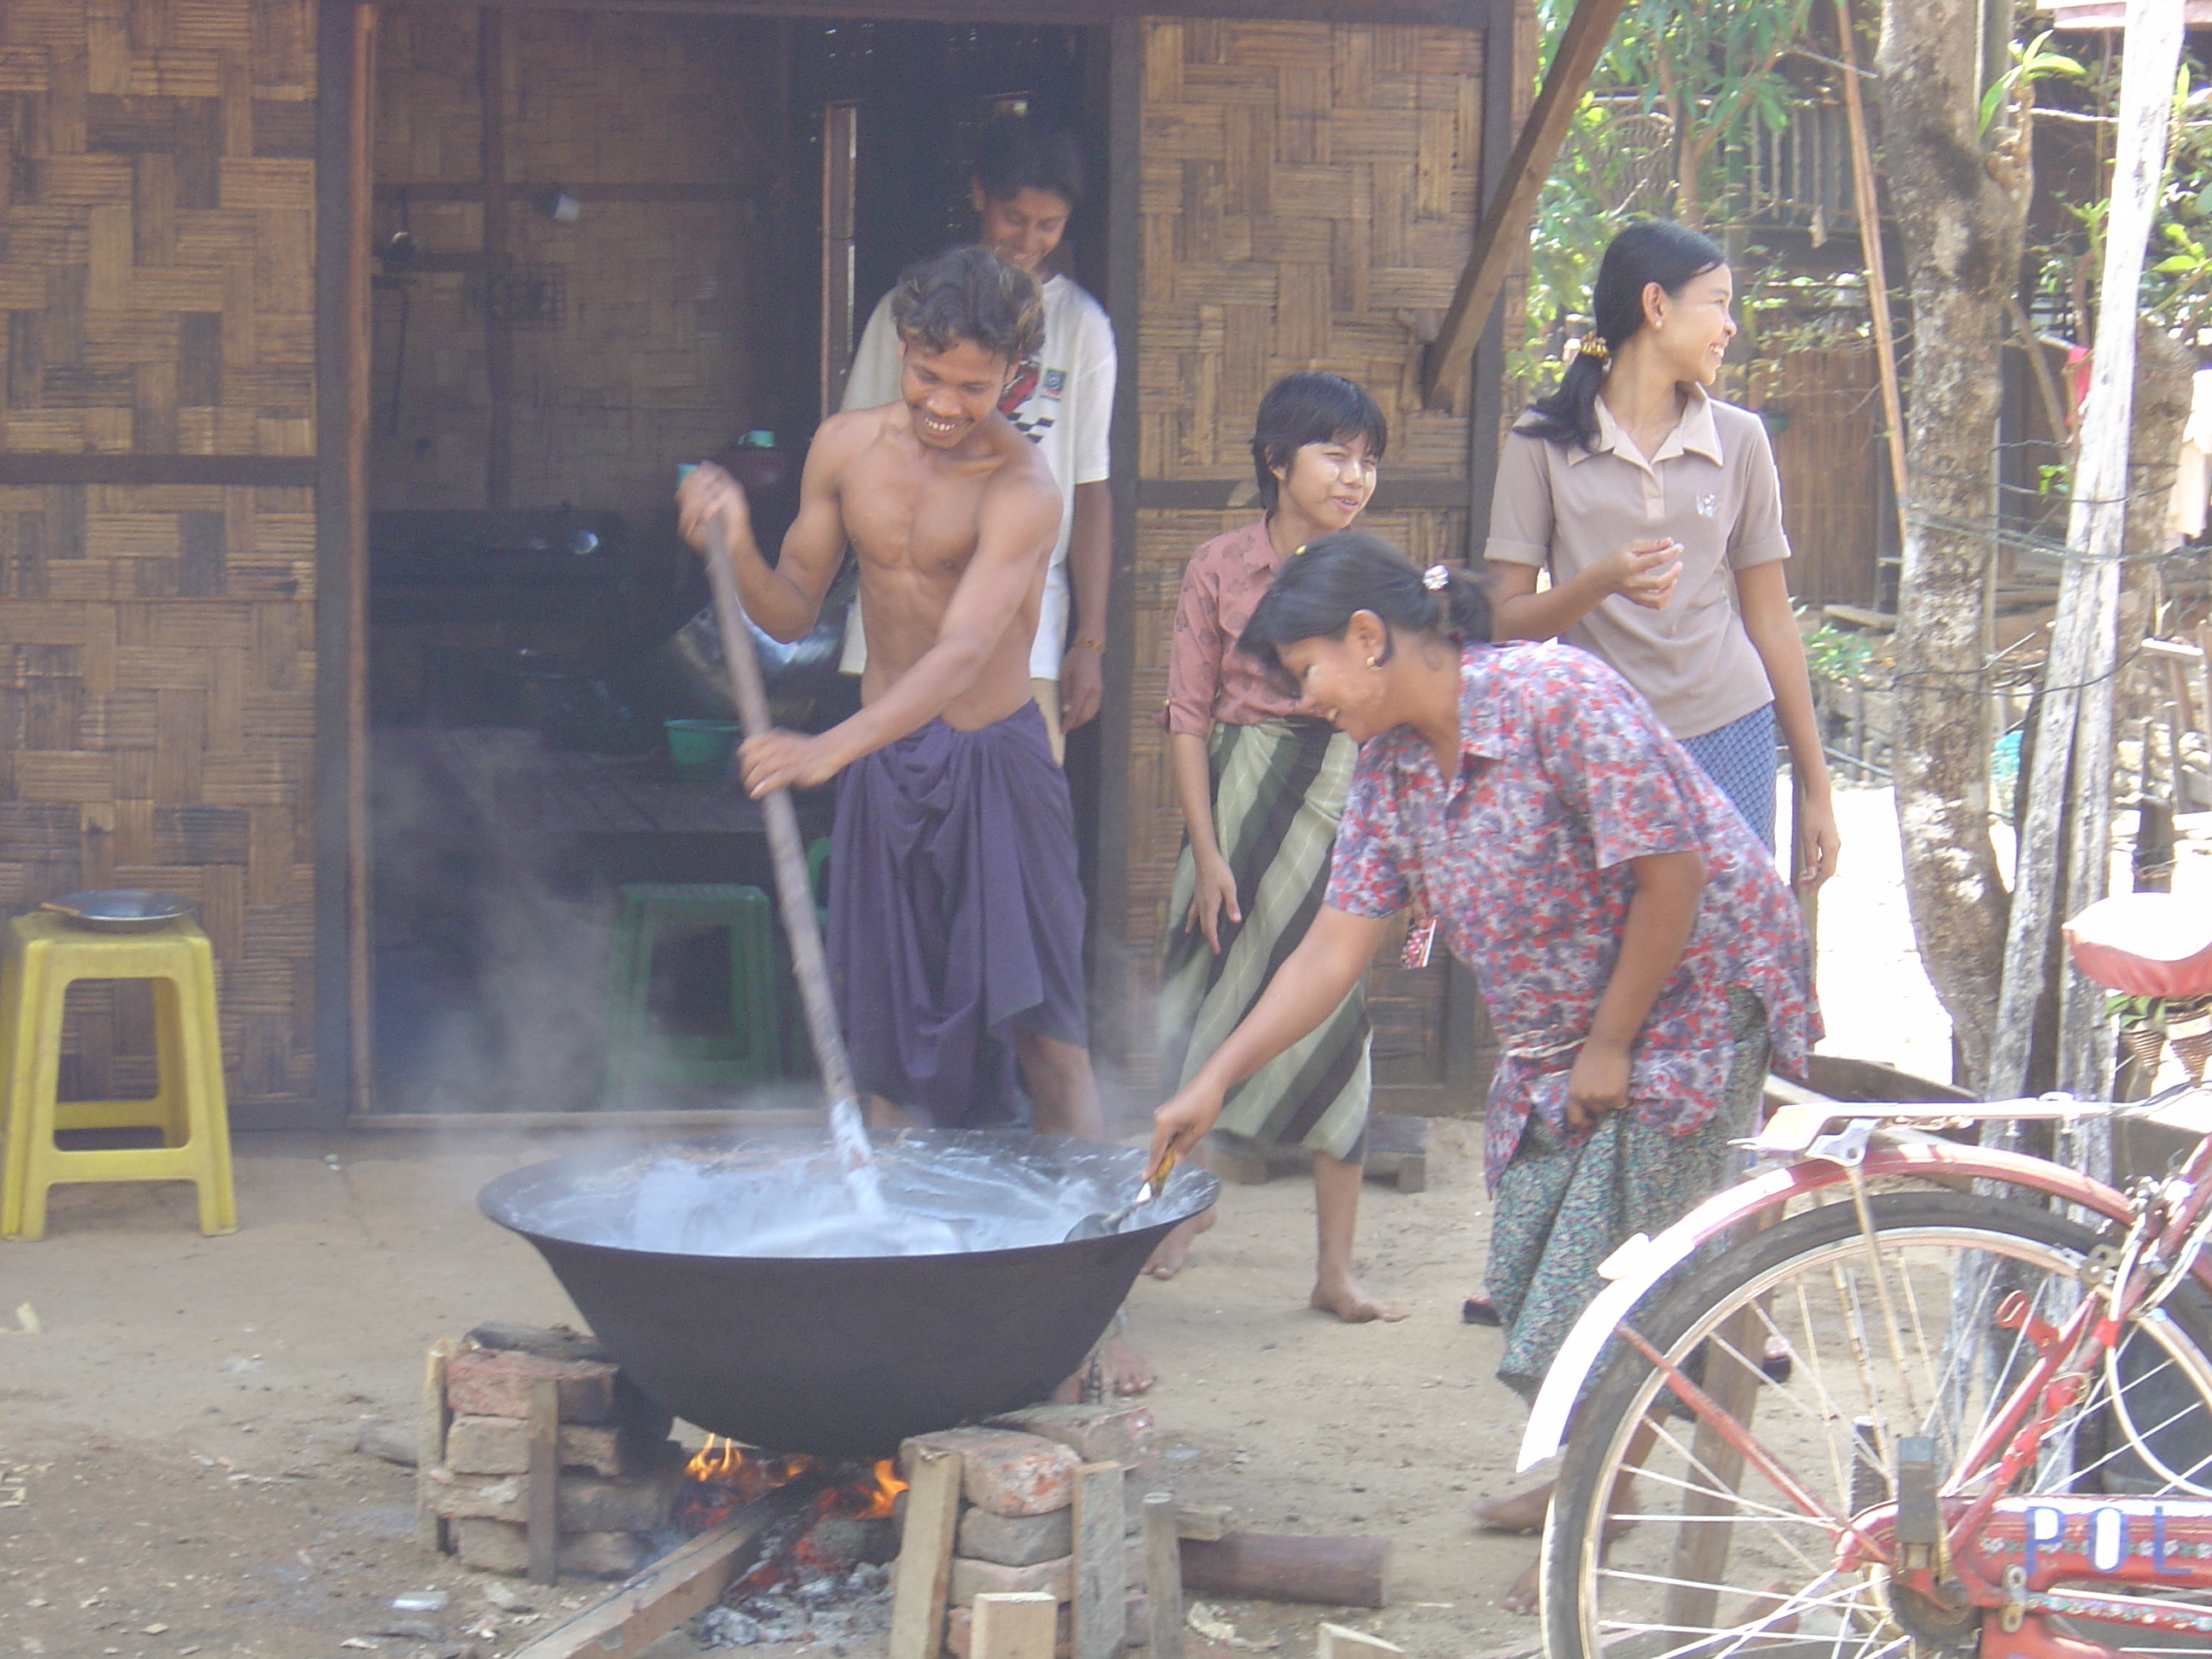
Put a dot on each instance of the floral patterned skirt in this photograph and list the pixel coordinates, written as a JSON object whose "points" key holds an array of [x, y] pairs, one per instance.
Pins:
{"points": [[1560, 1210]]}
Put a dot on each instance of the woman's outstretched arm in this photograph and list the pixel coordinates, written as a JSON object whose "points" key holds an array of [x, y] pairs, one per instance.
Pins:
{"points": [[1305, 990]]}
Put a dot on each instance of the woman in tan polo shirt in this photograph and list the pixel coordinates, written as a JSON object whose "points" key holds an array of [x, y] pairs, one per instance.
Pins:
{"points": [[1655, 508]]}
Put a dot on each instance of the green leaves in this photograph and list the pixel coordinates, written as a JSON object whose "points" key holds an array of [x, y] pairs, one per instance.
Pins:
{"points": [[2031, 61]]}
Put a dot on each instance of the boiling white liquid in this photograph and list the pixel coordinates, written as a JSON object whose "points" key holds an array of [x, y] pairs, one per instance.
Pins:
{"points": [[944, 1201]]}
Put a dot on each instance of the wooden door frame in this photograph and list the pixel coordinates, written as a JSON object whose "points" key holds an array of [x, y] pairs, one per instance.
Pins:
{"points": [[345, 32]]}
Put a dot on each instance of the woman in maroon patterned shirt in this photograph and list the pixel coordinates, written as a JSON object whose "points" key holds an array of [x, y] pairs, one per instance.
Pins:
{"points": [[1640, 957]]}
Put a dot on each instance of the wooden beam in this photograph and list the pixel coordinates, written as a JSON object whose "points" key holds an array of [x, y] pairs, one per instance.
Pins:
{"points": [[1102, 1573], [235, 472], [1445, 14], [681, 1584], [1338, 1572], [344, 1061], [1117, 810], [1868, 208], [493, 36], [1505, 222], [1163, 1544], [543, 1521], [925, 1562], [1397, 492]]}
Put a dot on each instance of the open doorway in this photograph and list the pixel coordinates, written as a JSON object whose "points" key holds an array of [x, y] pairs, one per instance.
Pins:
{"points": [[605, 244]]}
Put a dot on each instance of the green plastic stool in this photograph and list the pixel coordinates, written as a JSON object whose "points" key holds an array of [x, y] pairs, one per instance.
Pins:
{"points": [[751, 1050]]}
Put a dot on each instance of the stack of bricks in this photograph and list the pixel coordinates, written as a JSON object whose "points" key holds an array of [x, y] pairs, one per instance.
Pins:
{"points": [[618, 1472], [1016, 1526]]}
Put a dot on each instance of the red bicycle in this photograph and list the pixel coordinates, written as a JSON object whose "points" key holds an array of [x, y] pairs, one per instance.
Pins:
{"points": [[1895, 1392]]}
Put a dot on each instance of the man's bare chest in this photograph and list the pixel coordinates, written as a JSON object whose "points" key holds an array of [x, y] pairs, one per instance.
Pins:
{"points": [[912, 518]]}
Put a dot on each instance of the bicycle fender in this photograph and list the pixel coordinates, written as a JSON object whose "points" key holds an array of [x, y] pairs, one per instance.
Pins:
{"points": [[1642, 1261], [1634, 1269]]}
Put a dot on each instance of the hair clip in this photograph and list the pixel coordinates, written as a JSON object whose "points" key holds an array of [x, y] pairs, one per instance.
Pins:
{"points": [[1437, 578], [1595, 349]]}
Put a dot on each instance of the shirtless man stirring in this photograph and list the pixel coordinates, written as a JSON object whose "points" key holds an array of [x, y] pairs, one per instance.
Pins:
{"points": [[956, 917]]}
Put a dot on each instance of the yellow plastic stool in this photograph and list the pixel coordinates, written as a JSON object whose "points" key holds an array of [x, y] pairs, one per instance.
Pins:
{"points": [[45, 955]]}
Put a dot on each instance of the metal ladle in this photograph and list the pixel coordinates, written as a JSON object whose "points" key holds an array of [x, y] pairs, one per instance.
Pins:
{"points": [[1099, 1223]]}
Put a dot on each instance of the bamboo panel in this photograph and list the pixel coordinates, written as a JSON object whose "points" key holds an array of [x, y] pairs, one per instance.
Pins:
{"points": [[1306, 191], [157, 684], [647, 361]]}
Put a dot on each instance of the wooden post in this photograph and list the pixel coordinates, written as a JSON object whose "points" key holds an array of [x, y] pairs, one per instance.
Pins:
{"points": [[1102, 1572], [925, 1561], [430, 1442], [1868, 205], [1014, 1625], [1701, 1550], [2069, 791], [542, 1523], [1164, 1574]]}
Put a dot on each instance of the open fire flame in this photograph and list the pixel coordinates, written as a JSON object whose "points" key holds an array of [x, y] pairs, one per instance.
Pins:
{"points": [[722, 1476]]}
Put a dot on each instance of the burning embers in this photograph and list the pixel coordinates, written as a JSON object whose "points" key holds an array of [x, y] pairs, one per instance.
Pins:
{"points": [[821, 1570], [722, 1475]]}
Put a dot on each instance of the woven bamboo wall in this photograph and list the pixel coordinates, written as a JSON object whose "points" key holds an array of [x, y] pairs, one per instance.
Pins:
{"points": [[656, 123], [156, 665], [1309, 192]]}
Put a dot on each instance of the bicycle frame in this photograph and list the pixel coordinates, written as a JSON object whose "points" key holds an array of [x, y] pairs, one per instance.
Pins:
{"points": [[2008, 1556]]}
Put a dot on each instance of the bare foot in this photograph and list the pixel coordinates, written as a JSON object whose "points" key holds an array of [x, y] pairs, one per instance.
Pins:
{"points": [[1345, 1299], [1126, 1371], [1522, 1513], [1173, 1251], [1525, 1592], [1120, 1369]]}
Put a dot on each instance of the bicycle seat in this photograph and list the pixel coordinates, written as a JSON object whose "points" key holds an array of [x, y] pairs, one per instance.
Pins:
{"points": [[2145, 945]]}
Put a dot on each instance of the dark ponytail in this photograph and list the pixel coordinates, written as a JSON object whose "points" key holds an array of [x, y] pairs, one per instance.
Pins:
{"points": [[1649, 251], [1316, 593]]}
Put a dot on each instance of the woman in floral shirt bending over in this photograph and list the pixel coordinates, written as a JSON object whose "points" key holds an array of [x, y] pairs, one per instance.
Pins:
{"points": [[1642, 961]]}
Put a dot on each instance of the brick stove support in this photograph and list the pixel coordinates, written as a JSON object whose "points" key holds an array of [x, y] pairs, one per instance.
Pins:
{"points": [[539, 1457]]}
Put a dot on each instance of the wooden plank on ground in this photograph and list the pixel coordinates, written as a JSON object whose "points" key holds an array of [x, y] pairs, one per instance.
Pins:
{"points": [[1340, 1642], [1012, 1624], [681, 1584], [1267, 1566], [924, 1562], [1102, 1573]]}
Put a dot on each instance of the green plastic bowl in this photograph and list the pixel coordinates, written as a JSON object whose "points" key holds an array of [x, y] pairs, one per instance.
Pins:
{"points": [[700, 749]]}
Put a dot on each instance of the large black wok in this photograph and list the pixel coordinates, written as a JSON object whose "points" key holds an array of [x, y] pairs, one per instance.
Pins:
{"points": [[847, 1356]]}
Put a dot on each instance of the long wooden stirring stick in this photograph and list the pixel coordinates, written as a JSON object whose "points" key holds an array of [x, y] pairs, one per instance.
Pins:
{"points": [[794, 890]]}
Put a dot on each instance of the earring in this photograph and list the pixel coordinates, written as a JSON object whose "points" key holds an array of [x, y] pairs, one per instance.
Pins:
{"points": [[1372, 663]]}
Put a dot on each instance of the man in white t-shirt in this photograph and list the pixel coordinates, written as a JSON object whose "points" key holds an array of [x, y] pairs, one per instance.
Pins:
{"points": [[1028, 180]]}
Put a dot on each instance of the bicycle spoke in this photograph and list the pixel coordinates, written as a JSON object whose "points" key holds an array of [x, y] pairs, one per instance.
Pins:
{"points": [[1886, 1314]]}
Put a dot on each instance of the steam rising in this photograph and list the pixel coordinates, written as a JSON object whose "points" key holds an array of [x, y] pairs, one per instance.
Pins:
{"points": [[934, 1198]]}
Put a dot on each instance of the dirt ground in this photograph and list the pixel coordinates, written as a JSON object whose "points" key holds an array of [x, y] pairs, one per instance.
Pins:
{"points": [[176, 1475]]}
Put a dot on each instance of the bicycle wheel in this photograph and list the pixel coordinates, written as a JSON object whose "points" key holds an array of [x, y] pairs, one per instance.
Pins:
{"points": [[1702, 1556]]}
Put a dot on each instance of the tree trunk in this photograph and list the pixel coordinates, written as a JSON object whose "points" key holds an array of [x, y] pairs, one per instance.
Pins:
{"points": [[1966, 202]]}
